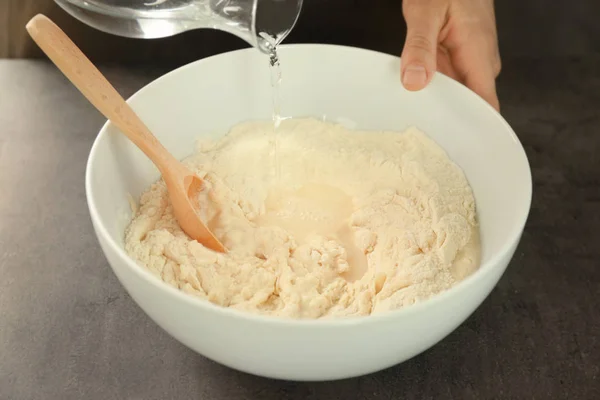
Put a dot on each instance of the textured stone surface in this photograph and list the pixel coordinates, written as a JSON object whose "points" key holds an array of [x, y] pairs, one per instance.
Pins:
{"points": [[69, 331]]}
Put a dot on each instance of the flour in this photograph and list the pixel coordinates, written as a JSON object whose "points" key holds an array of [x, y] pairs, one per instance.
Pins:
{"points": [[360, 222]]}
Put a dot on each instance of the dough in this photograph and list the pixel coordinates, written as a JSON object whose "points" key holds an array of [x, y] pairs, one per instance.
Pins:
{"points": [[350, 223]]}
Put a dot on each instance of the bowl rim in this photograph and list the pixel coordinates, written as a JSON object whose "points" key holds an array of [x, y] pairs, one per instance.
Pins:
{"points": [[207, 306]]}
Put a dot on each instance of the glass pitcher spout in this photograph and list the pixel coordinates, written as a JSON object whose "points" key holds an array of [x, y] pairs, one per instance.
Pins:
{"points": [[261, 23]]}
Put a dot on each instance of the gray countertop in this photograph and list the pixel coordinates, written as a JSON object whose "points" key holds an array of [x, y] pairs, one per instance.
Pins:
{"points": [[69, 331]]}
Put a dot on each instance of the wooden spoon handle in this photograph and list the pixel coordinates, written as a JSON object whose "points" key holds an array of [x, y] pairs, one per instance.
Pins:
{"points": [[94, 86]]}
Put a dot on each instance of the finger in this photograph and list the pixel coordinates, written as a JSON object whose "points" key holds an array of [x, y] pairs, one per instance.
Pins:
{"points": [[486, 89], [476, 63], [484, 86], [444, 64], [482, 80], [424, 21]]}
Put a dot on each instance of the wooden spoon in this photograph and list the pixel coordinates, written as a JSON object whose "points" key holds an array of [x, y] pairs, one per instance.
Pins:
{"points": [[182, 184]]}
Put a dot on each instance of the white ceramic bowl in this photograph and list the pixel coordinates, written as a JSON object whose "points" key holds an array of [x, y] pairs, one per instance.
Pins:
{"points": [[360, 88]]}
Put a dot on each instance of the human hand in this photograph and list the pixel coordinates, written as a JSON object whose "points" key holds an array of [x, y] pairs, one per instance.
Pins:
{"points": [[455, 37]]}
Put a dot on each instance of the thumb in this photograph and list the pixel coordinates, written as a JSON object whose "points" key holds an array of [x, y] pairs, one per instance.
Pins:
{"points": [[424, 21]]}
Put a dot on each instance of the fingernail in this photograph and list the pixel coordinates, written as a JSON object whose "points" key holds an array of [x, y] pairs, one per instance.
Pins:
{"points": [[414, 75]]}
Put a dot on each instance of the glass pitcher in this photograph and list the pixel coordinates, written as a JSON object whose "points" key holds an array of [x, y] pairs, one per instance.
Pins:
{"points": [[261, 23]]}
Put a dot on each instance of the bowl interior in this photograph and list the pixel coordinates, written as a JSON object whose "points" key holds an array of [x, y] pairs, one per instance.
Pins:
{"points": [[358, 88]]}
